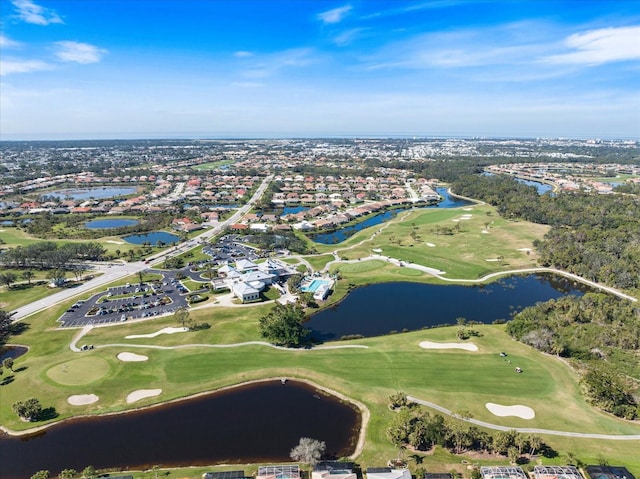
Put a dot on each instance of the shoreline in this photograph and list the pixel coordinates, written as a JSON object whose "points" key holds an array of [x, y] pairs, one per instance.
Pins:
{"points": [[365, 414]]}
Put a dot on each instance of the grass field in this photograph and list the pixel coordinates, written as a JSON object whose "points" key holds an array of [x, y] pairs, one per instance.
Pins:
{"points": [[212, 165], [453, 378], [461, 248]]}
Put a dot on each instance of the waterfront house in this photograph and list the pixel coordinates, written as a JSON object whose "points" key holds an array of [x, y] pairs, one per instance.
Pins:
{"points": [[333, 470], [286, 471]]}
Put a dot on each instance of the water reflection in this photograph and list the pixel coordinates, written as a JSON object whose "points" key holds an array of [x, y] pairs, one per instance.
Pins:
{"points": [[253, 423]]}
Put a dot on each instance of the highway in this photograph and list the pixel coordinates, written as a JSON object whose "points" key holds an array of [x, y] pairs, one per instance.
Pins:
{"points": [[116, 271]]}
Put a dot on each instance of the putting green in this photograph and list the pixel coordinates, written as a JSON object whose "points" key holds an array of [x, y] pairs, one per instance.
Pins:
{"points": [[79, 371]]}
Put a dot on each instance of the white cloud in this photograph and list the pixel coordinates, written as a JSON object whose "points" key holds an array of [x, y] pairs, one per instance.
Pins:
{"points": [[11, 66], [271, 64], [600, 46], [348, 36], [6, 42], [335, 15], [78, 52], [242, 54], [31, 13]]}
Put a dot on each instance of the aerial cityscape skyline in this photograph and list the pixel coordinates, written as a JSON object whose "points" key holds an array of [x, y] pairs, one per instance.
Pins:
{"points": [[213, 69]]}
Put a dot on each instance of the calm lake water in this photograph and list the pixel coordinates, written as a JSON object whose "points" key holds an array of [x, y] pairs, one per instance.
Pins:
{"points": [[110, 223], [97, 193], [12, 352], [256, 423], [541, 187], [152, 238], [378, 309], [342, 234]]}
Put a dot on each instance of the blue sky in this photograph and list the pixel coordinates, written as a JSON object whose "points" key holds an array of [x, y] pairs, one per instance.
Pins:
{"points": [[289, 68]]}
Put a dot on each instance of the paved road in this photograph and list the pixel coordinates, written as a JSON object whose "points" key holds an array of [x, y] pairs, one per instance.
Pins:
{"points": [[117, 271]]}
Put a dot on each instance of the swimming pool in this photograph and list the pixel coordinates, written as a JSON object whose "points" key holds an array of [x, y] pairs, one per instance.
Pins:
{"points": [[314, 285]]}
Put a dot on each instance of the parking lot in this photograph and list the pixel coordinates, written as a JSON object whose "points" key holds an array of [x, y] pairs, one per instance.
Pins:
{"points": [[131, 301]]}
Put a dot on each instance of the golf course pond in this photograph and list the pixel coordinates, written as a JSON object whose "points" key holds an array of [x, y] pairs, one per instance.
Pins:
{"points": [[380, 309], [341, 234], [152, 238], [260, 422], [110, 223]]}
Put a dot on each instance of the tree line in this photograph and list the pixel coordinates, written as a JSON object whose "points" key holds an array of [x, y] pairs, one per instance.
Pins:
{"points": [[600, 334], [48, 255], [594, 236], [416, 428]]}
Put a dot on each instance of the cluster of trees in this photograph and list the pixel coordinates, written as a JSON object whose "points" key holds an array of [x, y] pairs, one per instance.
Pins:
{"points": [[282, 240], [47, 225], [594, 236], [29, 410], [421, 431], [601, 333], [48, 255], [283, 325], [88, 472]]}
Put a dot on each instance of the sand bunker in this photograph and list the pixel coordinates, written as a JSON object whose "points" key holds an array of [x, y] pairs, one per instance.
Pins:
{"points": [[132, 357], [432, 345], [468, 209], [82, 399], [431, 245], [114, 242], [524, 249], [518, 410], [157, 333], [492, 259], [142, 394], [484, 232], [456, 221]]}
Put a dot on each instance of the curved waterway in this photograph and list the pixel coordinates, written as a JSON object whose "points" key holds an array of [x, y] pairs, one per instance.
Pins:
{"points": [[341, 234], [260, 422], [379, 309]]}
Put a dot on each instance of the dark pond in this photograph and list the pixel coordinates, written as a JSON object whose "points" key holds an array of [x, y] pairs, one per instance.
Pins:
{"points": [[152, 238], [342, 234], [96, 193], [378, 309], [256, 423], [110, 223], [12, 352]]}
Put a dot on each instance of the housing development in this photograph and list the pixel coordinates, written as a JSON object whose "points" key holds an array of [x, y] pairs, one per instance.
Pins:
{"points": [[380, 308]]}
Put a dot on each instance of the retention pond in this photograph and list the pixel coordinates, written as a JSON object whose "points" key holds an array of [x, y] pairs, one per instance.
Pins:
{"points": [[261, 422], [380, 309]]}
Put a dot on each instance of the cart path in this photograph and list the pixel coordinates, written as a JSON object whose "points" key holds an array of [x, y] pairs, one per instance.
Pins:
{"points": [[526, 430]]}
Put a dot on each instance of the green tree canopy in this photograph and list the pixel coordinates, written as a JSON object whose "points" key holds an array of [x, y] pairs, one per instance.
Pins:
{"points": [[283, 325]]}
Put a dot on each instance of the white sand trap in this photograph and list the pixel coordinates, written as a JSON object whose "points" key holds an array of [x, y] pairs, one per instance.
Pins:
{"points": [[484, 232], [431, 245], [468, 209], [465, 218], [158, 333], [142, 394], [524, 249], [114, 242], [432, 345], [518, 410], [132, 357], [492, 259], [455, 221], [82, 399]]}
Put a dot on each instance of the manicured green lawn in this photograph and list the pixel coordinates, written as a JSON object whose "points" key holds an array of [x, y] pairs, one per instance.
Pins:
{"points": [[320, 261], [453, 378]]}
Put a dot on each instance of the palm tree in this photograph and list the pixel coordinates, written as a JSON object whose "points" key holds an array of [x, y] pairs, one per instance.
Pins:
{"points": [[28, 275], [8, 363], [535, 442]]}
